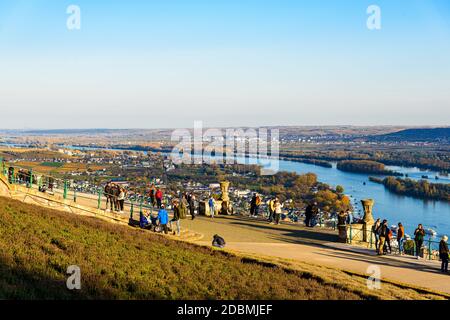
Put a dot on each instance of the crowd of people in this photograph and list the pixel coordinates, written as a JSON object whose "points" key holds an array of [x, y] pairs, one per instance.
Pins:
{"points": [[384, 235], [275, 211], [160, 221], [115, 197], [185, 204]]}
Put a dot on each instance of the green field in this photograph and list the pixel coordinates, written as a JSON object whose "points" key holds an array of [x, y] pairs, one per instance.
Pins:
{"points": [[52, 164], [117, 262]]}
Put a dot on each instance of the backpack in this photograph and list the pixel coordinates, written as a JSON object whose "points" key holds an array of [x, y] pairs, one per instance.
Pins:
{"points": [[218, 241], [379, 230]]}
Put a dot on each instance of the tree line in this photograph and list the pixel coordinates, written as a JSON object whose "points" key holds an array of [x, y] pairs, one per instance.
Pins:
{"points": [[365, 166], [418, 189]]}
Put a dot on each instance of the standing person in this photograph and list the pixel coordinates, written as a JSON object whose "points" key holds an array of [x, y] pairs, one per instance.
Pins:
{"points": [[419, 235], [277, 211], [176, 217], [342, 218], [387, 241], [11, 175], [163, 219], [375, 227], [116, 192], [443, 253], [192, 206], [152, 194], [183, 207], [271, 207], [257, 205], [349, 217], [253, 205], [51, 184], [188, 197], [310, 211], [121, 199], [383, 234], [212, 206], [400, 237], [108, 194], [158, 197]]}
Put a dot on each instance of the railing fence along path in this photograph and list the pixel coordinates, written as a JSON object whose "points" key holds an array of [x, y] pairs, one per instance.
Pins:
{"points": [[141, 204]]}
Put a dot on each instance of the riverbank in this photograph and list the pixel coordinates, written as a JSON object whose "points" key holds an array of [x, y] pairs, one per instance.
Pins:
{"points": [[388, 205], [422, 189]]}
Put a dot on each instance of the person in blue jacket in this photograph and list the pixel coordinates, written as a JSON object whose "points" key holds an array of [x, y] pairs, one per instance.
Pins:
{"points": [[163, 218], [144, 221]]}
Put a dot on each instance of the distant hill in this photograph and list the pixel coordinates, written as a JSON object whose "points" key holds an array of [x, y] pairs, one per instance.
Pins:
{"points": [[441, 135]]}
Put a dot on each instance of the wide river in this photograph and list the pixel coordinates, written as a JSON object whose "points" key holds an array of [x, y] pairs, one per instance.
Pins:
{"points": [[395, 208]]}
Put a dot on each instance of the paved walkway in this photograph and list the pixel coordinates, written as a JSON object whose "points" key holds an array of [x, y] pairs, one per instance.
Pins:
{"points": [[319, 247]]}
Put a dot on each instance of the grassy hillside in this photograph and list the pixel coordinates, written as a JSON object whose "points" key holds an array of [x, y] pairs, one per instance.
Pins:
{"points": [[37, 245], [117, 262]]}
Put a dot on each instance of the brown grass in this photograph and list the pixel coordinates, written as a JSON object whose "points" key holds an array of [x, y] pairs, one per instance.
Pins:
{"points": [[117, 262]]}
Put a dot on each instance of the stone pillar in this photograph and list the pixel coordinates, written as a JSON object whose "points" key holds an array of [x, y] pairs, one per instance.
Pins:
{"points": [[368, 218], [226, 205], [203, 208], [342, 228]]}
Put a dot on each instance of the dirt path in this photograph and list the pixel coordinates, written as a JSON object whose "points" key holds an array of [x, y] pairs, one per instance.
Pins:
{"points": [[317, 247]]}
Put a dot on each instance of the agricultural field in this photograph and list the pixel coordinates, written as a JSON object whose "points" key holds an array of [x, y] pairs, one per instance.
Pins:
{"points": [[58, 168]]}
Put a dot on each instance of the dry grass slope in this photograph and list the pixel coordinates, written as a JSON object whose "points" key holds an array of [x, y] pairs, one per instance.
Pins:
{"points": [[37, 245]]}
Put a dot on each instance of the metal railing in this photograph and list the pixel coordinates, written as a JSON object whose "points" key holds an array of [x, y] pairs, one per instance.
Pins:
{"points": [[428, 250], [139, 203], [95, 199]]}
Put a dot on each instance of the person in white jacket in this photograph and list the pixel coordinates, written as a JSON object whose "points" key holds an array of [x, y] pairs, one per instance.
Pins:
{"points": [[278, 209]]}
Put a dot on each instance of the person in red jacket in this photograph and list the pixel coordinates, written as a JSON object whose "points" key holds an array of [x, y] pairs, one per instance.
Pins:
{"points": [[158, 196]]}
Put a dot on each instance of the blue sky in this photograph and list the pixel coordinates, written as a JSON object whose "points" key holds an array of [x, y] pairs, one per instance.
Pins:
{"points": [[144, 64]]}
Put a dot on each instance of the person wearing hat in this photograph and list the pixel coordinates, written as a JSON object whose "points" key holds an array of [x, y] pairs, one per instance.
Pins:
{"points": [[443, 253]]}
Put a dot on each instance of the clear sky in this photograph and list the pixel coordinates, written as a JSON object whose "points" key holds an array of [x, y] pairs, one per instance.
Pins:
{"points": [[166, 63]]}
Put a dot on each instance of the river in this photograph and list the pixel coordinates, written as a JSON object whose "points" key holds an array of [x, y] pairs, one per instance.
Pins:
{"points": [[393, 207]]}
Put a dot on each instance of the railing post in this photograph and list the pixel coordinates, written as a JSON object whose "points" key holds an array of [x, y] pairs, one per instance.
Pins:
{"points": [[429, 249], [74, 195], [141, 212], [351, 236], [65, 190], [31, 179], [99, 201], [370, 241], [131, 211], [13, 175], [415, 249]]}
